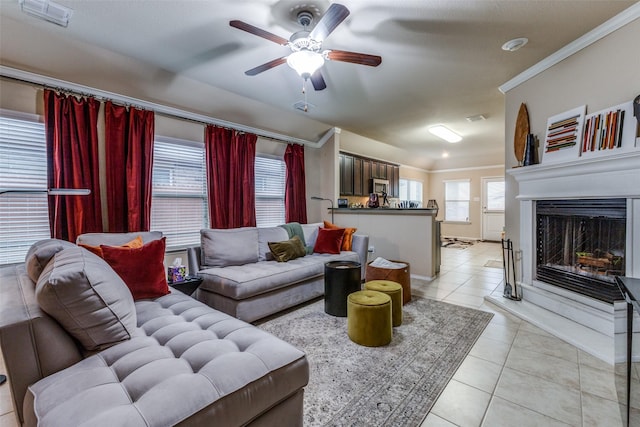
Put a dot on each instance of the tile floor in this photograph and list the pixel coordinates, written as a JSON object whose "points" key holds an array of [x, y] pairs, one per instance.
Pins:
{"points": [[515, 375]]}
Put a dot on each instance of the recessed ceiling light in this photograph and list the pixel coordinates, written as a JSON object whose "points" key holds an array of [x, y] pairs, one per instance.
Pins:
{"points": [[445, 154], [47, 10], [445, 133], [515, 44]]}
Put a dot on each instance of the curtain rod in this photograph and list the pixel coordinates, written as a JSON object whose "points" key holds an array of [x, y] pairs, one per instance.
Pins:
{"points": [[45, 81]]}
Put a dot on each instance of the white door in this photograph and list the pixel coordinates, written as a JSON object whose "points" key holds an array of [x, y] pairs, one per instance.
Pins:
{"points": [[492, 208]]}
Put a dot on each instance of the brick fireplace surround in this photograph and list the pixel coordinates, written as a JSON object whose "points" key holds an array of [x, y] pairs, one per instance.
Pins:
{"points": [[582, 321]]}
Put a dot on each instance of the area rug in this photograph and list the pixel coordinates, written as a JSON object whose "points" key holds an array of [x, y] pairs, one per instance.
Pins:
{"points": [[394, 385], [455, 243]]}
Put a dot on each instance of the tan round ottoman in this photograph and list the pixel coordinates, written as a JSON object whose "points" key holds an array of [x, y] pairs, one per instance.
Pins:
{"points": [[394, 290], [398, 275], [369, 318]]}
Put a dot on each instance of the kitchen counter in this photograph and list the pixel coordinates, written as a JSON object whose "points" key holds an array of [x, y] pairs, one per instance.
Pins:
{"points": [[392, 211]]}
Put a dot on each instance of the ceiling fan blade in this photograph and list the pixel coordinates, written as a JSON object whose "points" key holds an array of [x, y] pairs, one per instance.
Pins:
{"points": [[266, 66], [258, 32], [318, 81], [329, 21], [354, 57]]}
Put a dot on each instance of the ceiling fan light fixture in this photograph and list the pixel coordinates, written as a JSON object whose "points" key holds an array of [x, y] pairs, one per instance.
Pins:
{"points": [[305, 62], [445, 133]]}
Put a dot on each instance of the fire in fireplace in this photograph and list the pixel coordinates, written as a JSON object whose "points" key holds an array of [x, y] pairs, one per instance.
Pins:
{"points": [[580, 245]]}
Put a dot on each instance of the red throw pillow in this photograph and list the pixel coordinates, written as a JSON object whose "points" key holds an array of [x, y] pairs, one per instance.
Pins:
{"points": [[135, 243], [347, 239], [142, 269], [329, 241]]}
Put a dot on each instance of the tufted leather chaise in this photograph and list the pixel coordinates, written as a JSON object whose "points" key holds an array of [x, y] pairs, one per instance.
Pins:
{"points": [[186, 364]]}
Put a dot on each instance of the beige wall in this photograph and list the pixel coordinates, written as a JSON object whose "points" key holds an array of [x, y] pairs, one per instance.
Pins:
{"points": [[473, 229], [603, 74]]}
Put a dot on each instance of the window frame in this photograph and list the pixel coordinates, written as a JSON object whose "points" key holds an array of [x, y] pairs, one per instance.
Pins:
{"points": [[164, 194], [258, 197], [23, 223], [467, 201]]}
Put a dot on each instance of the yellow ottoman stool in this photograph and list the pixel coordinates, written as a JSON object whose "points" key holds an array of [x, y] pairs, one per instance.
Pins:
{"points": [[394, 290], [369, 318]]}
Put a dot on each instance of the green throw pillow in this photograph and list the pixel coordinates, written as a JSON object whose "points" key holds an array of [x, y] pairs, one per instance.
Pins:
{"points": [[287, 250]]}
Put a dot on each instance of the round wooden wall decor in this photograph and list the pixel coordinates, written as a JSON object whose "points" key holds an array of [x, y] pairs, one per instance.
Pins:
{"points": [[522, 130]]}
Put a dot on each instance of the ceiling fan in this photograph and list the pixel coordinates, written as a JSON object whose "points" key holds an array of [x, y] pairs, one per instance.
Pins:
{"points": [[307, 56]]}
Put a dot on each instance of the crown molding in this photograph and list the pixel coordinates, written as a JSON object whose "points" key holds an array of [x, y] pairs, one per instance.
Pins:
{"points": [[620, 20]]}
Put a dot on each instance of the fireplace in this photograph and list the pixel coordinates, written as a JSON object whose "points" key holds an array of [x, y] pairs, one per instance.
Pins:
{"points": [[580, 245], [590, 195]]}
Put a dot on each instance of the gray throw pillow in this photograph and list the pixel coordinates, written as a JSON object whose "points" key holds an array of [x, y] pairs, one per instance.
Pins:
{"points": [[234, 246], [88, 298], [40, 253]]}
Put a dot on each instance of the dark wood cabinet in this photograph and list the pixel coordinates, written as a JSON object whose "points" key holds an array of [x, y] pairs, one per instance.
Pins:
{"points": [[346, 175], [356, 173], [394, 180], [366, 176], [357, 176]]}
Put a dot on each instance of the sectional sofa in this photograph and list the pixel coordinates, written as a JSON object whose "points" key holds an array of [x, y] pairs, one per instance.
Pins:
{"points": [[79, 350], [240, 279]]}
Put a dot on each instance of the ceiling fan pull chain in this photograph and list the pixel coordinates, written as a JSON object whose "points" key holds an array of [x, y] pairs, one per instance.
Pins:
{"points": [[304, 90]]}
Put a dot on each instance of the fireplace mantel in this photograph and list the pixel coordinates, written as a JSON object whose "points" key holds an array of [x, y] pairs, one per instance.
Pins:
{"points": [[599, 177]]}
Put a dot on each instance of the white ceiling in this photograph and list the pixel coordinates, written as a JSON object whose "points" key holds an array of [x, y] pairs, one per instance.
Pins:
{"points": [[441, 59]]}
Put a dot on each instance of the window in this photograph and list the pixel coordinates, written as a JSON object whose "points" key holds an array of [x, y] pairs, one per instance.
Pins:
{"points": [[495, 195], [179, 195], [456, 200], [270, 176], [24, 218], [411, 190]]}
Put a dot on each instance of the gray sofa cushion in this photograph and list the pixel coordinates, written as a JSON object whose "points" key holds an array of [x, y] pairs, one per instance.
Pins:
{"points": [[236, 246], [40, 253], [92, 303], [240, 282], [266, 235], [311, 233], [190, 359]]}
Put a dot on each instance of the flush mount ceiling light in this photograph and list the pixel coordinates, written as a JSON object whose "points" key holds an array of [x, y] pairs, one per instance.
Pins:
{"points": [[445, 133], [476, 118], [515, 44], [47, 10]]}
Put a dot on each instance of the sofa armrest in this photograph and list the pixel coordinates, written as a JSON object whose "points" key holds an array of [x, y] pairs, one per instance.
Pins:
{"points": [[33, 344], [194, 257], [360, 245]]}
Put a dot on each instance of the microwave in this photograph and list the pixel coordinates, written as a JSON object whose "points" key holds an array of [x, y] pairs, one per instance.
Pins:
{"points": [[379, 186]]}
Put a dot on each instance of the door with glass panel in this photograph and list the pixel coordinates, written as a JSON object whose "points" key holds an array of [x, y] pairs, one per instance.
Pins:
{"points": [[492, 208]]}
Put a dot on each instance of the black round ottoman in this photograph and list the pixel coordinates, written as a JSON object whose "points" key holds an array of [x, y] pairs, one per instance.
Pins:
{"points": [[340, 279]]}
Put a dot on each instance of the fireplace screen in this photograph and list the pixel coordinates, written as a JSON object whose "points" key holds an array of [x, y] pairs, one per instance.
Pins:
{"points": [[581, 245]]}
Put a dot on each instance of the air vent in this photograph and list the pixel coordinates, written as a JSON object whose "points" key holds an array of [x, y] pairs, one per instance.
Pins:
{"points": [[476, 118], [305, 107]]}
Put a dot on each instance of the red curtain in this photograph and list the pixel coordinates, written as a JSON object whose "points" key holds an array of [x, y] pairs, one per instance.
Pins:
{"points": [[72, 162], [295, 199], [129, 137], [230, 158]]}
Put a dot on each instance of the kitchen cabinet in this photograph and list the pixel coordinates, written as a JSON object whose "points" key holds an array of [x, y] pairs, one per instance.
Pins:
{"points": [[356, 173], [346, 174], [366, 176], [394, 180], [357, 177]]}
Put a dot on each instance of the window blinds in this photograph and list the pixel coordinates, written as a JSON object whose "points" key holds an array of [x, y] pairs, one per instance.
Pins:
{"points": [[24, 218], [179, 195], [270, 177]]}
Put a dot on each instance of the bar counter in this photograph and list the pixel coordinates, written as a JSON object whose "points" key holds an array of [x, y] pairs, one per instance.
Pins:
{"points": [[411, 235]]}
